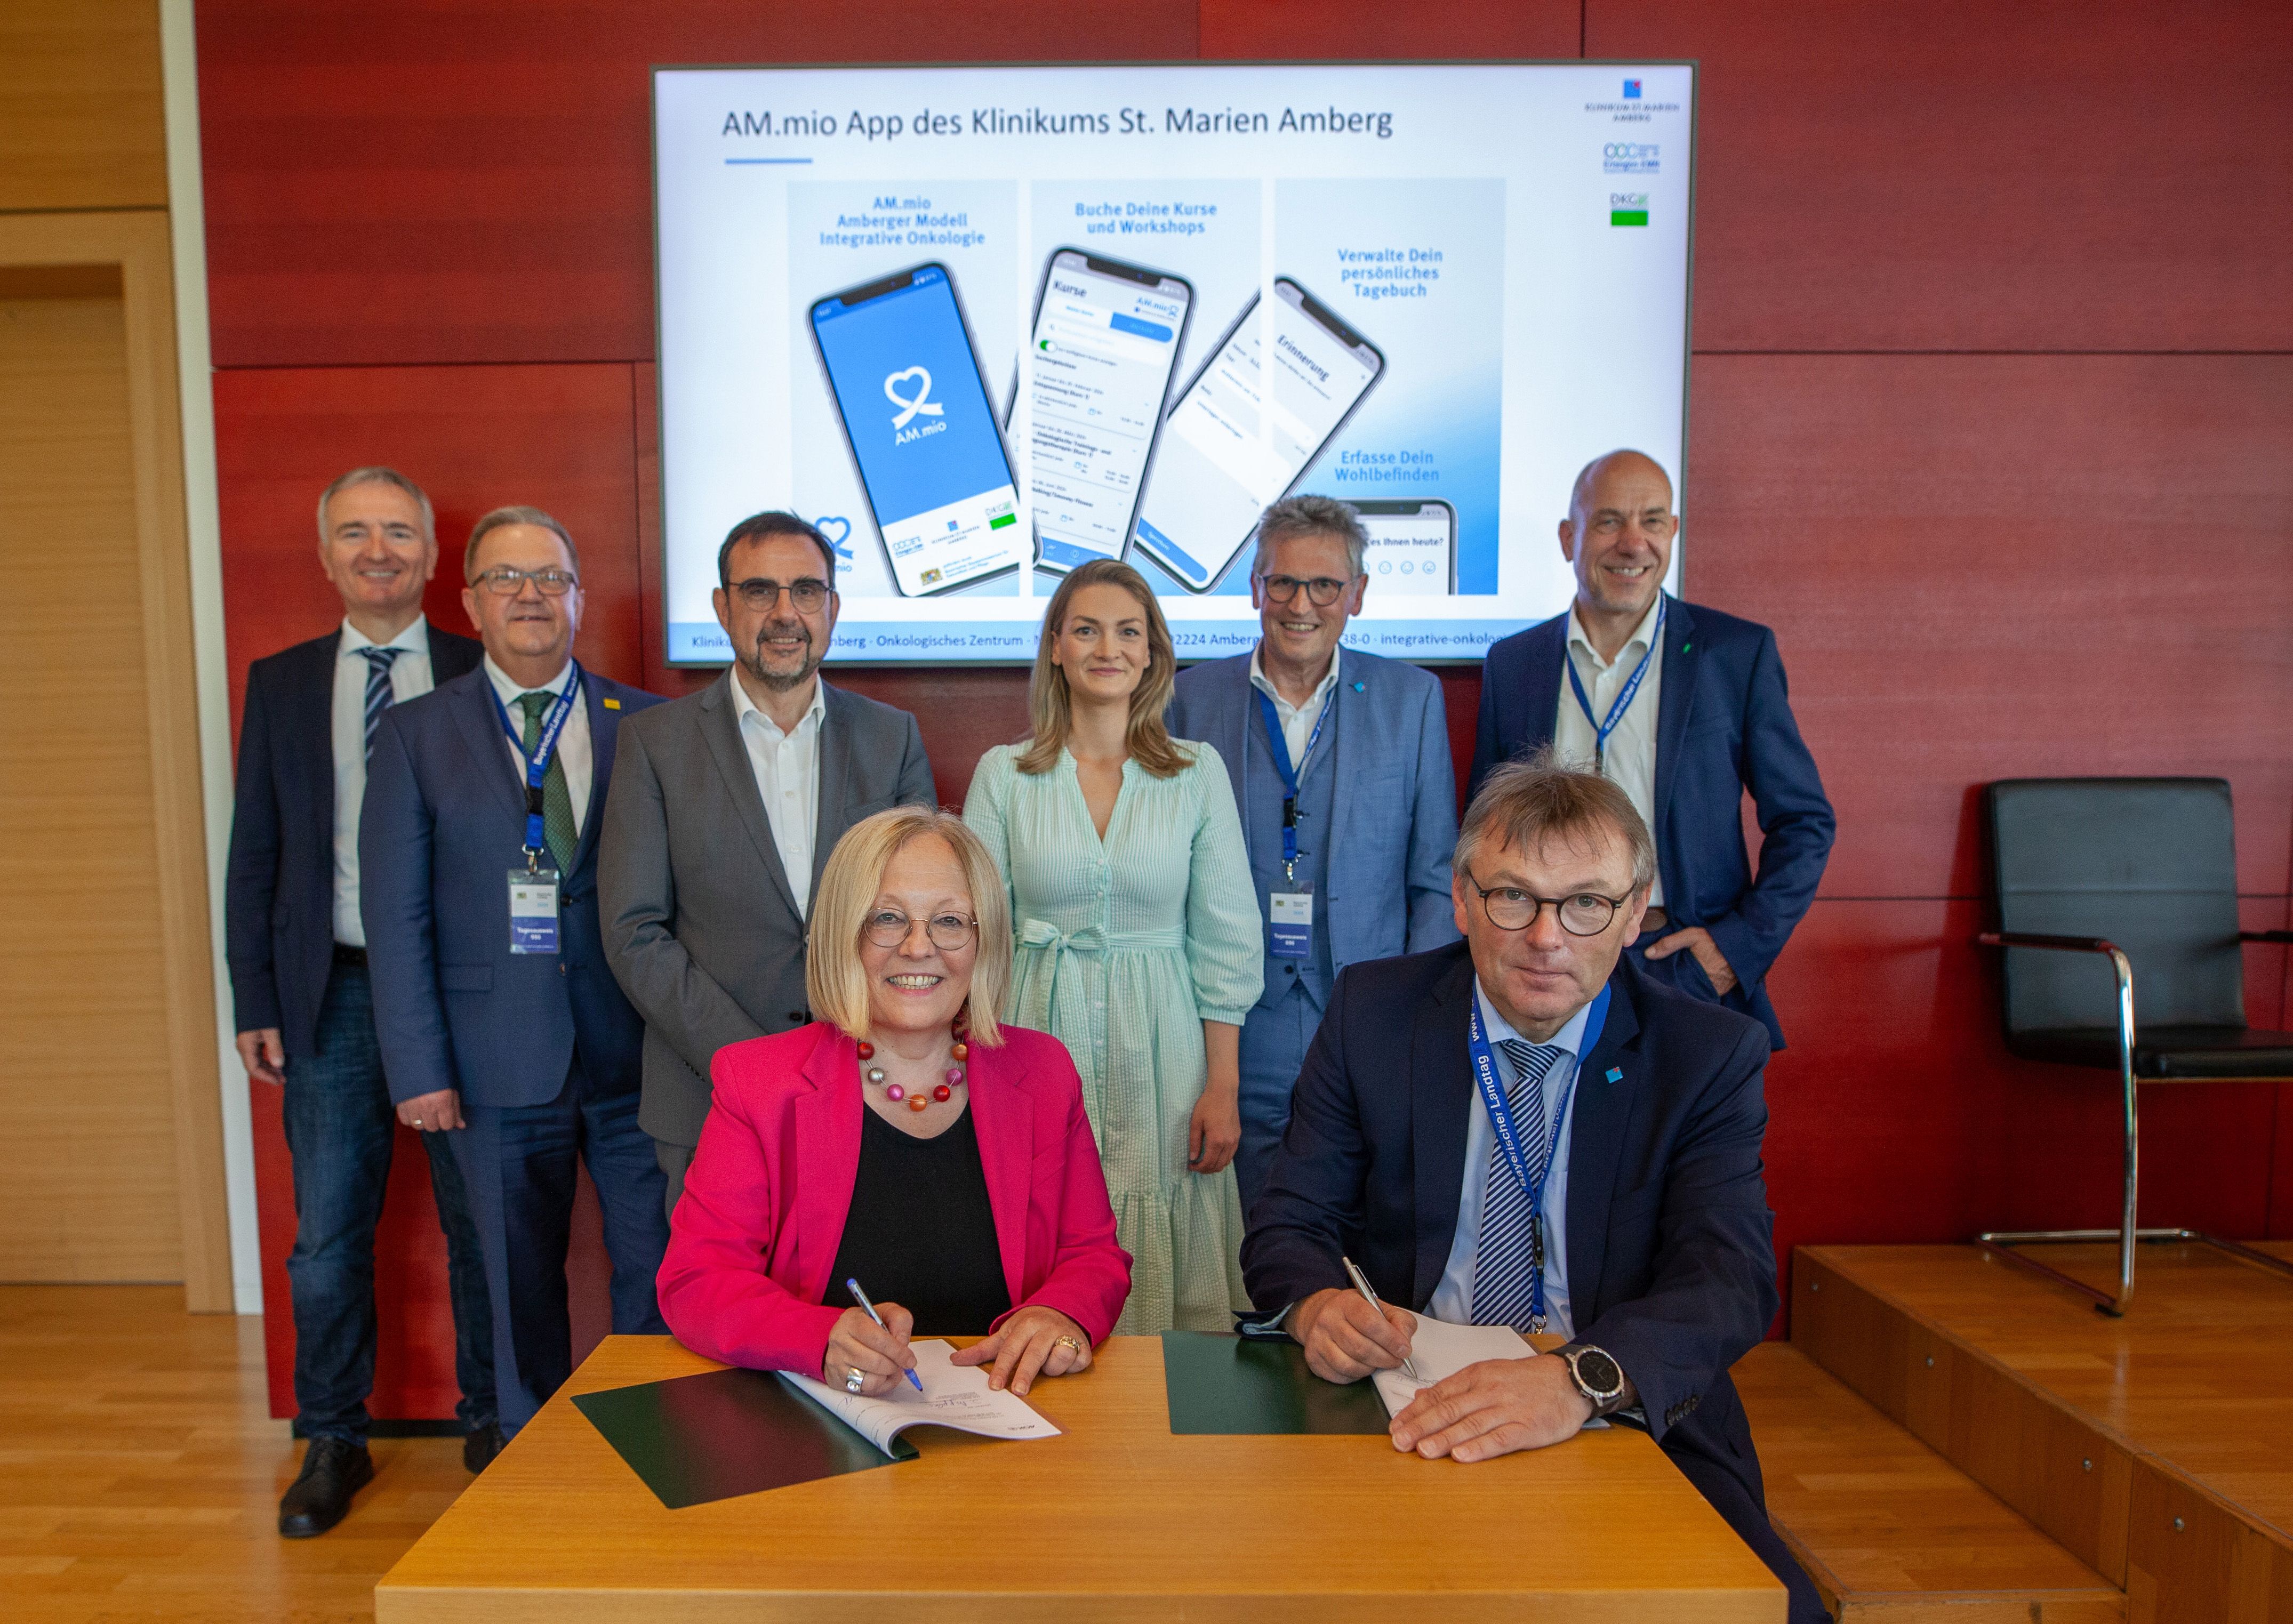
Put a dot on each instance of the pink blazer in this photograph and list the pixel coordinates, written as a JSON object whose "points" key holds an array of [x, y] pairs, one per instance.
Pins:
{"points": [[753, 1238]]}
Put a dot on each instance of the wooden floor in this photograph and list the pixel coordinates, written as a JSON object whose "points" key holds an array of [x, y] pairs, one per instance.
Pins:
{"points": [[140, 1472]]}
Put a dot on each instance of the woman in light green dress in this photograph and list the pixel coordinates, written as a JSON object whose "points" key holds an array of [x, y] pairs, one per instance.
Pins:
{"points": [[1137, 937]]}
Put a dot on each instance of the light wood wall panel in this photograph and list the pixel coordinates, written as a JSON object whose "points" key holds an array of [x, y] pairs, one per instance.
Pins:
{"points": [[84, 1097], [80, 115]]}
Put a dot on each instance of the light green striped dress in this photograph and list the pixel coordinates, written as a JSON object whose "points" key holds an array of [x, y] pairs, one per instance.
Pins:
{"points": [[1125, 947]]}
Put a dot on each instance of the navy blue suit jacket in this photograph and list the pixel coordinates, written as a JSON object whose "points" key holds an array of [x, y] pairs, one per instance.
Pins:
{"points": [[1395, 813], [1672, 1264], [1723, 726], [443, 826], [279, 889]]}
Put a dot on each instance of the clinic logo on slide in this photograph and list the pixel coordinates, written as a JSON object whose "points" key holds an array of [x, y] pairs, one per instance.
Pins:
{"points": [[911, 405], [1631, 90]]}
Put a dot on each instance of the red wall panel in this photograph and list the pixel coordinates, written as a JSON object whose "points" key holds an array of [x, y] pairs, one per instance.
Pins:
{"points": [[1363, 30], [1984, 567], [471, 179], [2054, 174]]}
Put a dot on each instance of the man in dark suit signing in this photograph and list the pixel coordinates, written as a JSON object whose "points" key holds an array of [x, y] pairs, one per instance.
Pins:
{"points": [[501, 1025], [299, 983], [1686, 709], [725, 805], [1527, 1129]]}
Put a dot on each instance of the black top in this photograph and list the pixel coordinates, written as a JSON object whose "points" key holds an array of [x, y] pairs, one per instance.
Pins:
{"points": [[920, 1233]]}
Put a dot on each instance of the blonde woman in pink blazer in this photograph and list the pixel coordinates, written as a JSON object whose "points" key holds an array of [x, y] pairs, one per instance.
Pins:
{"points": [[904, 1139]]}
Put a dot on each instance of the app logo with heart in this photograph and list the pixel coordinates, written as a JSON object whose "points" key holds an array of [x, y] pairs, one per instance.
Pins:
{"points": [[839, 531], [920, 401]]}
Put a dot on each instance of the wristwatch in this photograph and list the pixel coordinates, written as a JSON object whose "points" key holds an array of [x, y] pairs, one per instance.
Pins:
{"points": [[1598, 1376]]}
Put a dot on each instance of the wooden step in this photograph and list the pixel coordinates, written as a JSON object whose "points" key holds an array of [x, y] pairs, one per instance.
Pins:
{"points": [[1889, 1531], [2157, 1448]]}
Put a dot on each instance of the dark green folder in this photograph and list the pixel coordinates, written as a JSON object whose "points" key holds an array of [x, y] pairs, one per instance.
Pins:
{"points": [[1235, 1384], [700, 1438]]}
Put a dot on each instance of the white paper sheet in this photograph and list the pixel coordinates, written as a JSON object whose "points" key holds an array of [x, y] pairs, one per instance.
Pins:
{"points": [[1439, 1350], [954, 1396]]}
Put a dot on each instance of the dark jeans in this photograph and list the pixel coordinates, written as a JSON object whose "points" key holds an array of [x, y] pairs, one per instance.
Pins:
{"points": [[340, 1131], [1272, 1050], [520, 1164]]}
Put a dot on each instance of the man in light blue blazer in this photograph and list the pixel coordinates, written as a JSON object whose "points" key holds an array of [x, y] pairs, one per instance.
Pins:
{"points": [[500, 1020], [1340, 763]]}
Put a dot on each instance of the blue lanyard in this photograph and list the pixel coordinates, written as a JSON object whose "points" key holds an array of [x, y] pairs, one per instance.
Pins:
{"points": [[1493, 1098], [1625, 695], [1279, 746], [537, 766]]}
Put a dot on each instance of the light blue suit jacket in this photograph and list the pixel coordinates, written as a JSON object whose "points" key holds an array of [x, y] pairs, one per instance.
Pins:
{"points": [[1395, 820]]}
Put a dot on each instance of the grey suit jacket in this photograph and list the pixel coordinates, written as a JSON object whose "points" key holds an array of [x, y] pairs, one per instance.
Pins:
{"points": [[701, 926]]}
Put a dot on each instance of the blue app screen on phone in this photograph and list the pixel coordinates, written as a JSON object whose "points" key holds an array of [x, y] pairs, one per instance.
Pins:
{"points": [[909, 389]]}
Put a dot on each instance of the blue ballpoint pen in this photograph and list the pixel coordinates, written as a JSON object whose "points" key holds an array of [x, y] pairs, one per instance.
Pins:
{"points": [[861, 1297]]}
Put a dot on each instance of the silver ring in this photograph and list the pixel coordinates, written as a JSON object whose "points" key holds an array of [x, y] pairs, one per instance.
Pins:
{"points": [[853, 1379], [420, 1124]]}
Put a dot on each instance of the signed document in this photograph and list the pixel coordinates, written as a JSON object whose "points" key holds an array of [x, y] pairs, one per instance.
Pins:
{"points": [[1439, 1350], [954, 1395]]}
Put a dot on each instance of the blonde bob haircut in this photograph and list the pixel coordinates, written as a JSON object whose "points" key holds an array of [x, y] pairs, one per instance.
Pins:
{"points": [[1050, 710], [836, 983]]}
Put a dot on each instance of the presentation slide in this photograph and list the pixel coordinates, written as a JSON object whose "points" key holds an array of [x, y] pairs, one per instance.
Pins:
{"points": [[985, 325]]}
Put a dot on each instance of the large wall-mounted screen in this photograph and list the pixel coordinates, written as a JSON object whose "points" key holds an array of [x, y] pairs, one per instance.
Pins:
{"points": [[983, 324]]}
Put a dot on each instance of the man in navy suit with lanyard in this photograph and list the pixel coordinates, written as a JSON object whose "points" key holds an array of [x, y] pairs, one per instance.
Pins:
{"points": [[1527, 1129], [1685, 708], [501, 1022], [299, 983]]}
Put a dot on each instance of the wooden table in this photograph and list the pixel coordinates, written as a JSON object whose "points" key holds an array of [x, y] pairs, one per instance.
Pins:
{"points": [[1117, 1519]]}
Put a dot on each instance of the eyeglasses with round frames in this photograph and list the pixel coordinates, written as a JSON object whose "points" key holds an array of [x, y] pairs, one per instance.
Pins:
{"points": [[504, 582], [1321, 590], [759, 593], [889, 928], [1509, 908]]}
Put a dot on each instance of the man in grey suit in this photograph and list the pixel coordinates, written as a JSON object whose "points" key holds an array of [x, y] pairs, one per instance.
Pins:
{"points": [[724, 806], [1340, 763]]}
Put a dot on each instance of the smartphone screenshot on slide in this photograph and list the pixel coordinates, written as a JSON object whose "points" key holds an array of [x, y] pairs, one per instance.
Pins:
{"points": [[906, 381], [1413, 548], [1233, 444], [1098, 371]]}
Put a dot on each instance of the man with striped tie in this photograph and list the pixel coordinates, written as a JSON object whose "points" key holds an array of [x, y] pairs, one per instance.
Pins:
{"points": [[1527, 1129], [299, 983]]}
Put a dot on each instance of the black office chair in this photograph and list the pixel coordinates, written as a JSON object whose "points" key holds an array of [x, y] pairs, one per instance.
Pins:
{"points": [[2144, 872]]}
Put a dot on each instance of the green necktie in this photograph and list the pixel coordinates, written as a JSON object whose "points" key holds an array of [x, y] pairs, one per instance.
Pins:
{"points": [[556, 799]]}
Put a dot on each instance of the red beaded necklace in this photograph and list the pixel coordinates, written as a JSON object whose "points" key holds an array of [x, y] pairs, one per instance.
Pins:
{"points": [[959, 1052]]}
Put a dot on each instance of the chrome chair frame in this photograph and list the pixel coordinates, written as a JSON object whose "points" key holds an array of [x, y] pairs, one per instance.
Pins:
{"points": [[2127, 1235]]}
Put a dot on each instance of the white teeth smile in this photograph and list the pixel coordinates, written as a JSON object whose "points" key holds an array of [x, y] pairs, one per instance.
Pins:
{"points": [[913, 984]]}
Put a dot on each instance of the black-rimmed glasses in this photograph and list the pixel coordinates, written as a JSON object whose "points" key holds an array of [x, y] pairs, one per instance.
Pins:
{"points": [[1509, 908], [1321, 590], [758, 595], [888, 927]]}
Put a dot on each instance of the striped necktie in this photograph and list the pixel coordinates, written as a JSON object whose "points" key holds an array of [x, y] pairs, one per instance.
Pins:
{"points": [[379, 696], [556, 799], [1510, 1251]]}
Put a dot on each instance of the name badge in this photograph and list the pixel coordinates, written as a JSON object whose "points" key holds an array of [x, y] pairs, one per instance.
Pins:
{"points": [[1291, 916], [533, 910]]}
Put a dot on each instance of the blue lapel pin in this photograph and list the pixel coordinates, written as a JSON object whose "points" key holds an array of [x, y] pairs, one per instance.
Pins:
{"points": [[1615, 1074], [1359, 686]]}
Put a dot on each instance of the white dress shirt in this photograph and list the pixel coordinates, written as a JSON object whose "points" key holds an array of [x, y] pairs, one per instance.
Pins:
{"points": [[409, 678], [573, 748], [787, 766], [1630, 761], [1297, 721], [1453, 1298]]}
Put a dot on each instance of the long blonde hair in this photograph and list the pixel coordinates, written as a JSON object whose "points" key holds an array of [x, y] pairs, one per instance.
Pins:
{"points": [[835, 981], [1051, 711]]}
